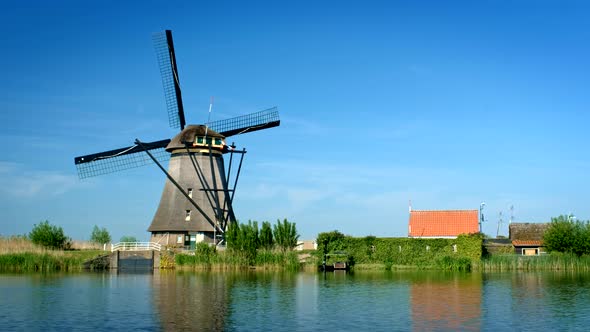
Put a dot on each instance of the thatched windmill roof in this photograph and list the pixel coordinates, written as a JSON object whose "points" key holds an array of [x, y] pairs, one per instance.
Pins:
{"points": [[188, 136]]}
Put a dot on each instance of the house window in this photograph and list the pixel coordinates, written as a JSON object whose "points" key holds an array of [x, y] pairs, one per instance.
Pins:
{"points": [[209, 140], [190, 192], [179, 239], [188, 215], [218, 141], [200, 140], [454, 248]]}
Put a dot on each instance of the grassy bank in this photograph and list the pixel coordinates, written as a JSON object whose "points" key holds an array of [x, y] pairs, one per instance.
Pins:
{"points": [[45, 262], [18, 254], [552, 262], [228, 260]]}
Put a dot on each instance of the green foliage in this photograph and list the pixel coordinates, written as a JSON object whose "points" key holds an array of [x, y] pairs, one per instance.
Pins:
{"points": [[49, 236], [231, 259], [46, 262], [422, 253], [285, 234], [287, 260], [454, 263], [245, 242], [204, 253], [243, 239], [128, 238], [552, 262], [566, 236], [330, 242], [99, 235], [231, 236], [266, 239]]}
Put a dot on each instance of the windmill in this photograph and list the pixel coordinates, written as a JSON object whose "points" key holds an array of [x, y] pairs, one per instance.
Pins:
{"points": [[196, 203]]}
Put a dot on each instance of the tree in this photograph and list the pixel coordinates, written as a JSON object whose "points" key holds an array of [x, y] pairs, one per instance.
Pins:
{"points": [[330, 241], [285, 234], [565, 235], [127, 238], [266, 239], [232, 234], [100, 236], [48, 235]]}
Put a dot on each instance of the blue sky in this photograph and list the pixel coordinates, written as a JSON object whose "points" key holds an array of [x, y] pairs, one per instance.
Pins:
{"points": [[447, 104]]}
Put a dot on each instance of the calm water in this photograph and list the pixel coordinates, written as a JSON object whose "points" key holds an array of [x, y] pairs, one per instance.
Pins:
{"points": [[377, 301]]}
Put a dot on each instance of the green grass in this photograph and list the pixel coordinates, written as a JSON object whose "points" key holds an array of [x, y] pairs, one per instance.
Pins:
{"points": [[46, 261], [552, 262], [228, 260]]}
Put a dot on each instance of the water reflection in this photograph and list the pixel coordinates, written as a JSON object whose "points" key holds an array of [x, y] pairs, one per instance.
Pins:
{"points": [[251, 301], [191, 301], [446, 301]]}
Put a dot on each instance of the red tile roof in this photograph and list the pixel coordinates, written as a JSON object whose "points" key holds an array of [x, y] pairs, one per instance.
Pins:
{"points": [[521, 243], [444, 223]]}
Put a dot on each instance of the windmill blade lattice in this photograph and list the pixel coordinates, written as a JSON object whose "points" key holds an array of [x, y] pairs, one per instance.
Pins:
{"points": [[120, 159], [247, 123], [167, 61]]}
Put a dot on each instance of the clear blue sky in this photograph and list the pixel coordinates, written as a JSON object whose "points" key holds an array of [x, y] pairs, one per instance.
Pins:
{"points": [[445, 103]]}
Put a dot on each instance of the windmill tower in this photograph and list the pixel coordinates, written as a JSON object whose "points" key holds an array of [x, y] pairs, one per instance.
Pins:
{"points": [[196, 203]]}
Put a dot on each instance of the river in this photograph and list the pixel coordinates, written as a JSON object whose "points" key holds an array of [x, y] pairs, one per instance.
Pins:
{"points": [[255, 301]]}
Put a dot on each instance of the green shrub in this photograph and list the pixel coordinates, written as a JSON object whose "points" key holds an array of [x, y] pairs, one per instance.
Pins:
{"points": [[49, 236]]}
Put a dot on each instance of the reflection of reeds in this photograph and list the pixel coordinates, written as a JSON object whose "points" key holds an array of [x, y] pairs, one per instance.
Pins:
{"points": [[552, 262], [19, 254]]}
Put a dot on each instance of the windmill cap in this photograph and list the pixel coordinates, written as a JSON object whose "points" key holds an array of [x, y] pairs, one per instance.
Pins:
{"points": [[189, 135]]}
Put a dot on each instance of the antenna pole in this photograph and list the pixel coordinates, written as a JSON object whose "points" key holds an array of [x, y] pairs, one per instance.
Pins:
{"points": [[209, 116], [481, 218], [499, 223]]}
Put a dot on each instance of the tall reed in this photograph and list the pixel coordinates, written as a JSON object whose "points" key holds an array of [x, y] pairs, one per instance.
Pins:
{"points": [[550, 262], [19, 254], [232, 260]]}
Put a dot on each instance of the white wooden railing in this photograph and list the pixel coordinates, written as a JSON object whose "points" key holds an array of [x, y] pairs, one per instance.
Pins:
{"points": [[135, 246]]}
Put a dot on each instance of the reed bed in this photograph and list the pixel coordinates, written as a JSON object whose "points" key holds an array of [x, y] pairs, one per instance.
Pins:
{"points": [[228, 260], [552, 262], [19, 244], [19, 254]]}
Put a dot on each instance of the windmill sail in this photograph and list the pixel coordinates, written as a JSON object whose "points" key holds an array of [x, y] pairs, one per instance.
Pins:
{"points": [[167, 60], [247, 123], [120, 159]]}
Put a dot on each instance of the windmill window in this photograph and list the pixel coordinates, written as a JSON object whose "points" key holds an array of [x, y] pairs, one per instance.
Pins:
{"points": [[218, 141], [209, 140], [190, 192], [188, 215], [200, 140]]}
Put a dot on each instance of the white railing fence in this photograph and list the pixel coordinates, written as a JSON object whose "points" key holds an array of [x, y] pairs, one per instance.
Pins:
{"points": [[135, 246]]}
